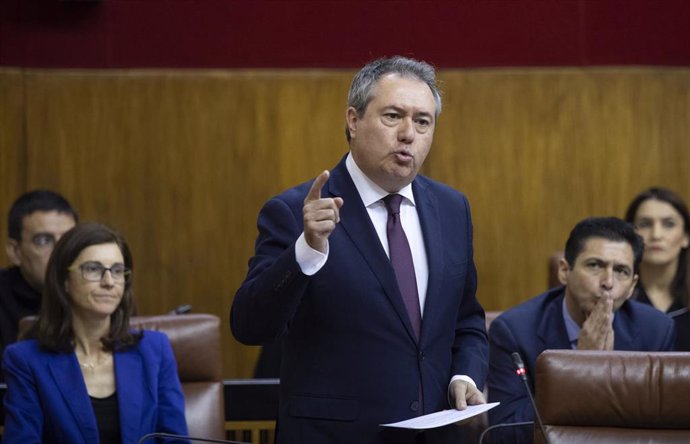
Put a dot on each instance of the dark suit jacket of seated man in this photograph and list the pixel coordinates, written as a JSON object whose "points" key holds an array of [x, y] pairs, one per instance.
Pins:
{"points": [[539, 323], [36, 221], [17, 300], [351, 357]]}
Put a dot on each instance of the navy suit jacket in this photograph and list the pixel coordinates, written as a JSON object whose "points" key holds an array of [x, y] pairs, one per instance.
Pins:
{"points": [[350, 357], [47, 401], [537, 325]]}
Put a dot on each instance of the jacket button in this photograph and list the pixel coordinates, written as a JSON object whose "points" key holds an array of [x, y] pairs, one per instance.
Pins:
{"points": [[414, 406], [421, 356]]}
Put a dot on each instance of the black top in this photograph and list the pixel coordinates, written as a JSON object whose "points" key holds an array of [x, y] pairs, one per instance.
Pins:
{"points": [[107, 414], [17, 299], [680, 315]]}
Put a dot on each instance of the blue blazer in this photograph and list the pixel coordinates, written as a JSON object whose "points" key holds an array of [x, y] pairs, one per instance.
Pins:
{"points": [[537, 325], [47, 401], [350, 357]]}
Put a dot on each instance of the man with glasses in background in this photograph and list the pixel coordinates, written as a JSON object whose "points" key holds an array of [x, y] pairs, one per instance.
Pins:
{"points": [[36, 221]]}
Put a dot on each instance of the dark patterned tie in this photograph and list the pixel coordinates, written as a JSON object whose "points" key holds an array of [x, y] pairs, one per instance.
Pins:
{"points": [[401, 259]]}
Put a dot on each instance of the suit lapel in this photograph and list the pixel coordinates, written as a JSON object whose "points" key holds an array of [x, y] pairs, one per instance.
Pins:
{"points": [[429, 218], [131, 387], [357, 225], [551, 330], [64, 368]]}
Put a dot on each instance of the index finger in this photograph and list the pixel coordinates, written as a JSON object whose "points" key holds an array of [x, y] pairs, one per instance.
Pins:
{"points": [[315, 190]]}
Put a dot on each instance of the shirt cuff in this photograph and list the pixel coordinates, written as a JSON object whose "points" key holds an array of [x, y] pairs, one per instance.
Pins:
{"points": [[309, 260], [462, 378]]}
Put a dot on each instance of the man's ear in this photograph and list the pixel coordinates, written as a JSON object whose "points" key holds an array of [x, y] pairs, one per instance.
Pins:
{"points": [[351, 118], [13, 253], [563, 271], [636, 279]]}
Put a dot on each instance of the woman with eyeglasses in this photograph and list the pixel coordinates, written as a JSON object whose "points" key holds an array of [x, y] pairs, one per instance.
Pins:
{"points": [[661, 217], [82, 375]]}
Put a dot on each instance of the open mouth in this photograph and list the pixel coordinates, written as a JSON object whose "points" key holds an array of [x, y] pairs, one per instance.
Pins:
{"points": [[403, 156]]}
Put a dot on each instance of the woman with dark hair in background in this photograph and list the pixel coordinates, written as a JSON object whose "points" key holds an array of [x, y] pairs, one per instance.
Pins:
{"points": [[83, 376], [661, 217]]}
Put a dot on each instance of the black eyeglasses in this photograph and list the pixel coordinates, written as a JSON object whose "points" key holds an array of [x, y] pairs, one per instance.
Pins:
{"points": [[94, 271]]}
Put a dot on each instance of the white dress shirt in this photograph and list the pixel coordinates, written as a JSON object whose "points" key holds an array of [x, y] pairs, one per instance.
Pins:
{"points": [[310, 261]]}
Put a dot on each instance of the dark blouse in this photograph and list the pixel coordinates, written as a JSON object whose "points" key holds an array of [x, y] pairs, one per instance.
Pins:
{"points": [[17, 299], [107, 413], [680, 315]]}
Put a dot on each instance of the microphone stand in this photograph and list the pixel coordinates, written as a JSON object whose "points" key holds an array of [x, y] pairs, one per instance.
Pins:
{"points": [[522, 373], [500, 426]]}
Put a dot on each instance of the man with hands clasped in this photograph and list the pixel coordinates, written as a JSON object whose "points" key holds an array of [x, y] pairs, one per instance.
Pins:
{"points": [[367, 277], [591, 311]]}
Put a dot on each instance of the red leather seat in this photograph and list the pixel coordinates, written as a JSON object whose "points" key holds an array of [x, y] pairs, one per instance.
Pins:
{"points": [[195, 340], [613, 397]]}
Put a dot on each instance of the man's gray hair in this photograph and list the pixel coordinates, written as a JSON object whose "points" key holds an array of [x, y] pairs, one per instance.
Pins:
{"points": [[364, 81]]}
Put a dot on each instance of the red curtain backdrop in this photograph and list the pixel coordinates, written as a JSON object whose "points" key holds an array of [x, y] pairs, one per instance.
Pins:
{"points": [[342, 33]]}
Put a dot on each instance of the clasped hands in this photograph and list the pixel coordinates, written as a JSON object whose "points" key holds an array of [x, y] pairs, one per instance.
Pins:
{"points": [[597, 330]]}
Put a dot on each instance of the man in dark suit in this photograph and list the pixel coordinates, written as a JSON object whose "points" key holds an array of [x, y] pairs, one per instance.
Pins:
{"points": [[36, 221], [366, 342], [591, 311]]}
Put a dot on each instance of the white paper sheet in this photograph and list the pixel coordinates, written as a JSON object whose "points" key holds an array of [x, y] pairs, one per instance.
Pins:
{"points": [[442, 418]]}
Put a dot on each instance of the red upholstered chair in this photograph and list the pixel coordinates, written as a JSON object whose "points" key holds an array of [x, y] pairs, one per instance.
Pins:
{"points": [[613, 397], [195, 340]]}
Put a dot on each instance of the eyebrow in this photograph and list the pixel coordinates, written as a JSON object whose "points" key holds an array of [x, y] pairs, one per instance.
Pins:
{"points": [[607, 262], [669, 217], [402, 110], [42, 233], [425, 114], [94, 261]]}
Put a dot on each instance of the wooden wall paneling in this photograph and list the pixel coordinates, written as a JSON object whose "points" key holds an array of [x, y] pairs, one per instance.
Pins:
{"points": [[181, 163], [170, 160], [538, 150], [311, 115], [673, 113], [12, 165]]}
